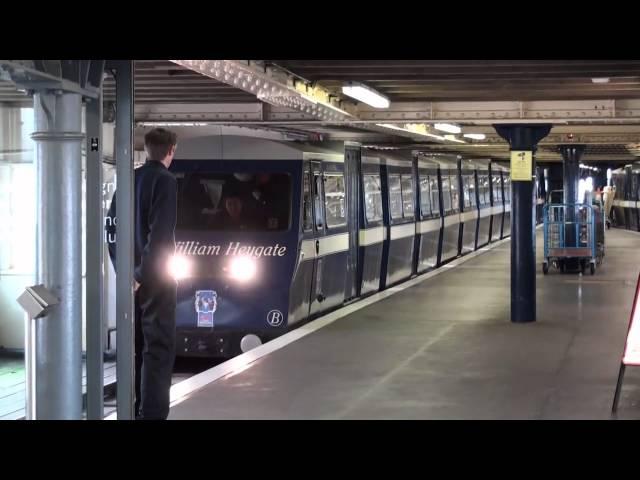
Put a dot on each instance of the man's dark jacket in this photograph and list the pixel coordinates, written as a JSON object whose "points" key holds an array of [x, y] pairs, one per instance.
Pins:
{"points": [[155, 222]]}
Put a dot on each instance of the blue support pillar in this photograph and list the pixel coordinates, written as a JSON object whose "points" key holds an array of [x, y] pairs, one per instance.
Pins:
{"points": [[570, 177], [523, 138]]}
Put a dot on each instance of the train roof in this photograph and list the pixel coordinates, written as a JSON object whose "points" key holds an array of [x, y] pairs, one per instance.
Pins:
{"points": [[444, 160], [235, 147], [476, 163], [385, 157], [496, 166]]}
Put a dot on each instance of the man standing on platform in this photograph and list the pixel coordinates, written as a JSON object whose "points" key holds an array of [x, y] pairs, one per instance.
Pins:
{"points": [[155, 289]]}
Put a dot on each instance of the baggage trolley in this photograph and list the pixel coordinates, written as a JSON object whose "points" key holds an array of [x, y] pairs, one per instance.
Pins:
{"points": [[573, 231]]}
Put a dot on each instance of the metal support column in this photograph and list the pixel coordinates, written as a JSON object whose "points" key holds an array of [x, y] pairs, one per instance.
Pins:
{"points": [[124, 240], [58, 138], [570, 177], [523, 138], [94, 261]]}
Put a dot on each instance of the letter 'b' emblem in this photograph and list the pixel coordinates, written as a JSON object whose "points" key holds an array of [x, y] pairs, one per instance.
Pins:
{"points": [[275, 318]]}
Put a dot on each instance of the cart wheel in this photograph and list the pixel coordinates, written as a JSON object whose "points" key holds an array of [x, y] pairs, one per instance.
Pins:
{"points": [[545, 268], [592, 268], [583, 267]]}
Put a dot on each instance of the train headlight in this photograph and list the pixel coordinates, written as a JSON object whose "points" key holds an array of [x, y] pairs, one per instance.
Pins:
{"points": [[242, 269], [179, 267]]}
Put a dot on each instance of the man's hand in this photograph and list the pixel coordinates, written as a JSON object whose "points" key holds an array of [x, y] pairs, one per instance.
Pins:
{"points": [[136, 285]]}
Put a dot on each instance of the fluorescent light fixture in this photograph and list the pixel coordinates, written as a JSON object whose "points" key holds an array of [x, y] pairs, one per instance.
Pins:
{"points": [[600, 80], [447, 127], [419, 129], [406, 130], [365, 94], [475, 136]]}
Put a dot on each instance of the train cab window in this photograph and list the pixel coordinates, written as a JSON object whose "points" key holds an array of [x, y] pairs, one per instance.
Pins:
{"points": [[435, 197], [395, 197], [407, 196], [425, 196], [372, 198], [241, 201], [307, 213], [446, 193], [335, 200]]}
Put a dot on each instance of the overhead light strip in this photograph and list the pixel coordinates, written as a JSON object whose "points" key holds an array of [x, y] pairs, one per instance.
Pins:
{"points": [[270, 86], [366, 95]]}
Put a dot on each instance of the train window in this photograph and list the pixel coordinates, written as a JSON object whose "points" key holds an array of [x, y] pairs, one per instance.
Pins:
{"points": [[469, 191], [307, 214], [483, 189], [372, 198], [407, 195], [249, 201], [446, 193], [425, 196], [435, 198], [497, 190], [472, 190], [395, 197], [507, 190], [455, 194], [335, 202], [317, 199]]}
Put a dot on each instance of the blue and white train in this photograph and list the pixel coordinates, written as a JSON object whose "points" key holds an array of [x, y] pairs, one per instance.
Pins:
{"points": [[273, 234], [626, 203]]}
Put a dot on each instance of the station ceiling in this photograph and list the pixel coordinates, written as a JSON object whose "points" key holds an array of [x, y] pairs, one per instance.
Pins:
{"points": [[607, 90]]}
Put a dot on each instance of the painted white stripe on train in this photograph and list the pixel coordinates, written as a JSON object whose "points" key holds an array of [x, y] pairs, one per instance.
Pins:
{"points": [[451, 220], [497, 209], [427, 226], [371, 236], [402, 231], [326, 245], [466, 216], [308, 249], [625, 203], [333, 244], [485, 212]]}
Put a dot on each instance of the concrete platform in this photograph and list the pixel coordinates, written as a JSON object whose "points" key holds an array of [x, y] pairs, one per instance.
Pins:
{"points": [[445, 349]]}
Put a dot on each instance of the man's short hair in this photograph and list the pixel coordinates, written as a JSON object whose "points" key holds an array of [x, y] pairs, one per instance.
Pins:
{"points": [[158, 143]]}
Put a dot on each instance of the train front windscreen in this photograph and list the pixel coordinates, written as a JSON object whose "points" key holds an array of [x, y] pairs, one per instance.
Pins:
{"points": [[234, 201]]}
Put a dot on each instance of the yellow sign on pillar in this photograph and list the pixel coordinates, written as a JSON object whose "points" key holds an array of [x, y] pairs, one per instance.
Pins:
{"points": [[521, 165]]}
